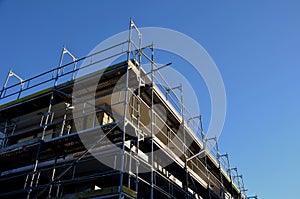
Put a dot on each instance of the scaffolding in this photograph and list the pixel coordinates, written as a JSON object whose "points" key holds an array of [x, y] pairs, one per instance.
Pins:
{"points": [[42, 154]]}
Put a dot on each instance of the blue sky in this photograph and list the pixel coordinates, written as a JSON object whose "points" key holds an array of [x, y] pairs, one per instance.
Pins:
{"points": [[255, 45]]}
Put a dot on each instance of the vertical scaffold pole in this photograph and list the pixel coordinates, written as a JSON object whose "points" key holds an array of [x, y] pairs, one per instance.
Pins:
{"points": [[45, 125], [139, 112], [151, 118], [125, 112]]}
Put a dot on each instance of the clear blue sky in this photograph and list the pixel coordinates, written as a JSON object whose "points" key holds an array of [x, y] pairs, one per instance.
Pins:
{"points": [[255, 44]]}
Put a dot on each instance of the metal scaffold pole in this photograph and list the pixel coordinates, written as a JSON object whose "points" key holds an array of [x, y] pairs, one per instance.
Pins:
{"points": [[138, 110], [219, 156], [44, 126], [252, 197], [151, 118], [131, 24]]}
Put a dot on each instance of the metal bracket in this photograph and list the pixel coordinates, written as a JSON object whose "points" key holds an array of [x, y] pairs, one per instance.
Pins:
{"points": [[66, 51], [12, 74]]}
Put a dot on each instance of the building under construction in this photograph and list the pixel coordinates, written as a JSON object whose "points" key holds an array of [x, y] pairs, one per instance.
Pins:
{"points": [[100, 135]]}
